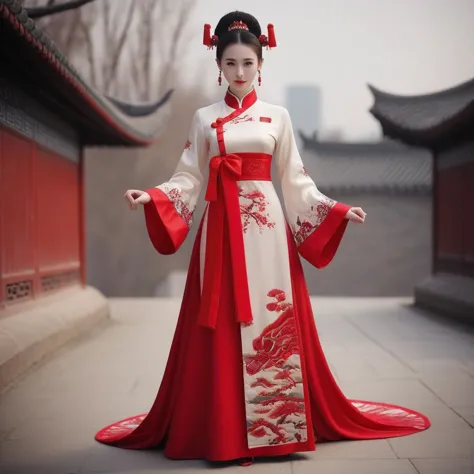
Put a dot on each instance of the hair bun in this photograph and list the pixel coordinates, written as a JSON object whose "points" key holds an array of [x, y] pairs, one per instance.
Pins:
{"points": [[232, 19]]}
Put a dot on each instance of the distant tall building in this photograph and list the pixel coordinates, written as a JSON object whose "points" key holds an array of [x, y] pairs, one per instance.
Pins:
{"points": [[304, 105]]}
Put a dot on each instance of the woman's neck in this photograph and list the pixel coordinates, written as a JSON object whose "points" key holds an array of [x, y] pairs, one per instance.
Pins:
{"points": [[240, 94]]}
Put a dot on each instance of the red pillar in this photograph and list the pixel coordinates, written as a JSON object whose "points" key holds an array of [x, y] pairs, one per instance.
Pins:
{"points": [[82, 216]]}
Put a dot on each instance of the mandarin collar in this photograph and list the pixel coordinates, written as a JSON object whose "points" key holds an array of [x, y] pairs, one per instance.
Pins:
{"points": [[247, 101]]}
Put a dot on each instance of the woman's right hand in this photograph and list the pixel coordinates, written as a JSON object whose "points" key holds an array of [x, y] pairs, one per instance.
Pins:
{"points": [[135, 197]]}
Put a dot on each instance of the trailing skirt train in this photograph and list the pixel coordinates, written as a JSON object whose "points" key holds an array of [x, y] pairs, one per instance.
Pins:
{"points": [[200, 409]]}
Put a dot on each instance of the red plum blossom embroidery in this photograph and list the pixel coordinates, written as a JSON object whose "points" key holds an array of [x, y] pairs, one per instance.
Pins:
{"points": [[253, 208], [241, 119], [176, 197], [312, 219]]}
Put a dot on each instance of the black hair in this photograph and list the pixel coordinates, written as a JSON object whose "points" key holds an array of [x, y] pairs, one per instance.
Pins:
{"points": [[250, 37]]}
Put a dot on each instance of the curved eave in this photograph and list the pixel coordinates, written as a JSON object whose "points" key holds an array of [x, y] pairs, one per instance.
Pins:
{"points": [[422, 116], [139, 110], [140, 124], [460, 125], [466, 86], [118, 126]]}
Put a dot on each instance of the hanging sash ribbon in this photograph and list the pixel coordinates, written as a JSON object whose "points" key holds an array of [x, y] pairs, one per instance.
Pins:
{"points": [[223, 195], [224, 208]]}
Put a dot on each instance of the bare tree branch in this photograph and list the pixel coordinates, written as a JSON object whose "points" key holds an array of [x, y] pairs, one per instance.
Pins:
{"points": [[71, 33], [164, 34], [86, 31], [136, 76], [147, 50], [64, 29], [106, 20], [119, 47], [133, 53], [107, 37], [168, 66], [52, 9]]}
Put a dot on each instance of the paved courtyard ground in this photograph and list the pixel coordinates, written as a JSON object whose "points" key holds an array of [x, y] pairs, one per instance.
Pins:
{"points": [[378, 349]]}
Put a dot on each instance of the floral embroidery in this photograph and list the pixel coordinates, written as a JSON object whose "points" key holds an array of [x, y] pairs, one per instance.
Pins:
{"points": [[305, 171], [255, 210], [278, 408], [176, 197], [241, 119], [315, 216], [188, 145], [254, 168]]}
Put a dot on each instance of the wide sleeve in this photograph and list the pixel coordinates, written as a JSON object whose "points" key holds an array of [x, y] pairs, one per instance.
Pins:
{"points": [[169, 215], [317, 222]]}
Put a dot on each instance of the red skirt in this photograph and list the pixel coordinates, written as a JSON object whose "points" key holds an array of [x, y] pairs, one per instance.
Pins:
{"points": [[199, 411]]}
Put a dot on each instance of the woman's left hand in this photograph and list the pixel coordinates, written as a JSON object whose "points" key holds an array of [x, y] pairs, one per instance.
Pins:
{"points": [[356, 214]]}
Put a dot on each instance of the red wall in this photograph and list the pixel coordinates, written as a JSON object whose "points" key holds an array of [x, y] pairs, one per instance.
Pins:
{"points": [[40, 220], [57, 194]]}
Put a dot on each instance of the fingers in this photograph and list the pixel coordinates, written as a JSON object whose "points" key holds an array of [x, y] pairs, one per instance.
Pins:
{"points": [[144, 198], [358, 215], [358, 218], [132, 196], [135, 197], [361, 216], [355, 218], [130, 201]]}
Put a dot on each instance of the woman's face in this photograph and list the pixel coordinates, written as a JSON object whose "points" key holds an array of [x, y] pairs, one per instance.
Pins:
{"points": [[239, 65]]}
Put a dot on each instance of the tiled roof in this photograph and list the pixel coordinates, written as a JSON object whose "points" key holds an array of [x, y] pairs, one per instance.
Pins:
{"points": [[28, 50], [425, 119], [369, 168]]}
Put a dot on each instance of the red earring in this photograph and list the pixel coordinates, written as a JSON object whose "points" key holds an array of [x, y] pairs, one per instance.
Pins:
{"points": [[259, 78], [219, 80]]}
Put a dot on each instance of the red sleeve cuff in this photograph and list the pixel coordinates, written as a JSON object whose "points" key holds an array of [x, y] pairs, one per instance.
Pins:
{"points": [[166, 228], [321, 246]]}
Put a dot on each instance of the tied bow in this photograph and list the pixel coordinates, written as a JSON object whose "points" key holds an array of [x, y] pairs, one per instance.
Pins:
{"points": [[228, 165]]}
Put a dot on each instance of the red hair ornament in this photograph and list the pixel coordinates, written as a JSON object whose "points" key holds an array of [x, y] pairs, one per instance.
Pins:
{"points": [[208, 40], [211, 41]]}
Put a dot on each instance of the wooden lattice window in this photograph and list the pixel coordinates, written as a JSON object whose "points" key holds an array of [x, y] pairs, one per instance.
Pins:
{"points": [[20, 290]]}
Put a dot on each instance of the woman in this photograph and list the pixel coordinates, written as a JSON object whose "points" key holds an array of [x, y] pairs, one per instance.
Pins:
{"points": [[246, 375]]}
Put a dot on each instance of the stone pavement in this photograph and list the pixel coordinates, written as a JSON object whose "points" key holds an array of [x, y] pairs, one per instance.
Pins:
{"points": [[379, 349]]}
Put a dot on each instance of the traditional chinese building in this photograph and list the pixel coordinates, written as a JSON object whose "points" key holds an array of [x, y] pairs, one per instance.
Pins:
{"points": [[392, 182], [48, 115], [443, 123]]}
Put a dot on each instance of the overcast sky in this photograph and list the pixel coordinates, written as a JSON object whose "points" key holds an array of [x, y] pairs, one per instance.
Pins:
{"points": [[400, 46]]}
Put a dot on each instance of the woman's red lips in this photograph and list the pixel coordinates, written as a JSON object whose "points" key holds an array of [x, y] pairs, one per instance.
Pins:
{"points": [[240, 82]]}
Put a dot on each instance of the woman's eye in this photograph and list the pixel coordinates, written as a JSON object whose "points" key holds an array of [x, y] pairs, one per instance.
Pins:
{"points": [[249, 63], [230, 64]]}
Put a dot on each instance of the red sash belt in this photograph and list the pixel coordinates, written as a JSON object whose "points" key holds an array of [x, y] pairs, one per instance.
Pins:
{"points": [[223, 196]]}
